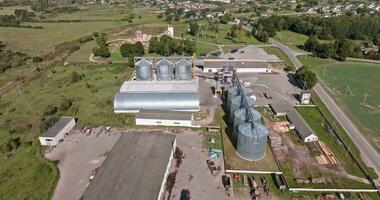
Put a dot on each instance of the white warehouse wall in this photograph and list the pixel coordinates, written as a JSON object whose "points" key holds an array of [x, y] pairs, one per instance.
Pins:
{"points": [[60, 135], [163, 122]]}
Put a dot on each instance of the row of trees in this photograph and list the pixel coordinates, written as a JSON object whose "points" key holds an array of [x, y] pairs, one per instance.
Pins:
{"points": [[340, 49], [352, 27], [211, 28], [167, 46]]}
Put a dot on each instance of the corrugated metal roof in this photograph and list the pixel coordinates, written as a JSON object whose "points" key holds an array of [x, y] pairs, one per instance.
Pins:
{"points": [[134, 169], [301, 125], [58, 126], [164, 114], [156, 101], [159, 86]]}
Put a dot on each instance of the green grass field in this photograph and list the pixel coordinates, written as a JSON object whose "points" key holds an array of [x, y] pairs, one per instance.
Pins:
{"points": [[349, 83], [293, 39], [25, 174], [40, 41]]}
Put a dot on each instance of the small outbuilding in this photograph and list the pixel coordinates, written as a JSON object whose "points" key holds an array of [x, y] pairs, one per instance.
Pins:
{"points": [[164, 118], [57, 132], [303, 129]]}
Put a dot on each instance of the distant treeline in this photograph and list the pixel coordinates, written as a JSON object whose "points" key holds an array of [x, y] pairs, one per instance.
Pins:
{"points": [[20, 15], [351, 27]]}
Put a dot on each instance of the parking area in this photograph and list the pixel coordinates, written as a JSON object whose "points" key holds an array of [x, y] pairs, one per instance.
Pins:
{"points": [[193, 175], [78, 155]]}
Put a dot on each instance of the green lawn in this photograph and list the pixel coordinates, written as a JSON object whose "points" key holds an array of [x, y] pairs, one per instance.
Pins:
{"points": [[313, 61], [289, 37], [25, 174], [293, 39], [349, 83]]}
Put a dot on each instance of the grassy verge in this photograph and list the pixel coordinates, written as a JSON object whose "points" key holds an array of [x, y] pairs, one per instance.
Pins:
{"points": [[342, 133]]}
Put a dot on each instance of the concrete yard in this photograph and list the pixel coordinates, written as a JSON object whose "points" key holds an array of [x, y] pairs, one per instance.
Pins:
{"points": [[78, 155], [193, 174], [280, 85]]}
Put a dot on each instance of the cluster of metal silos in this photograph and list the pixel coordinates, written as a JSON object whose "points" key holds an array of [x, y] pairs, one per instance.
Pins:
{"points": [[250, 134], [165, 70]]}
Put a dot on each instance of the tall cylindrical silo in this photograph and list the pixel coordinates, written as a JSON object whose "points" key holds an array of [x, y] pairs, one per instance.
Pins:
{"points": [[235, 104], [143, 70], [239, 117], [183, 70], [164, 70], [252, 140], [232, 93], [242, 115]]}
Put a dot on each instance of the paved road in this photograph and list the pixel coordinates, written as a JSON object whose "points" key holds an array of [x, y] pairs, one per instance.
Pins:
{"points": [[368, 153]]}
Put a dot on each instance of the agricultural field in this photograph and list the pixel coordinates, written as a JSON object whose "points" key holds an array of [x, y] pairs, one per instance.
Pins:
{"points": [[91, 95], [11, 9], [40, 41], [354, 86]]}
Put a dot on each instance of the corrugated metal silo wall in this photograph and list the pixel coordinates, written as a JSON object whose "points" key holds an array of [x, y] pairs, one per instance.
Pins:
{"points": [[164, 71], [183, 71], [251, 141], [240, 116], [235, 104], [144, 72]]}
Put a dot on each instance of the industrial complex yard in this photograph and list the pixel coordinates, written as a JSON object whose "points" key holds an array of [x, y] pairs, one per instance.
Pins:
{"points": [[120, 100]]}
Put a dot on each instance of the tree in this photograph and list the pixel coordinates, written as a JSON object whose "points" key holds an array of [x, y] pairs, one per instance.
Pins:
{"points": [[306, 77], [193, 28], [325, 50], [376, 40], [101, 49], [311, 43], [343, 49], [136, 49]]}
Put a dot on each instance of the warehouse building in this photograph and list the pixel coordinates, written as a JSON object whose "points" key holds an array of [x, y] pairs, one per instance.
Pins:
{"points": [[136, 168], [157, 95], [164, 118], [57, 132], [241, 66], [303, 129]]}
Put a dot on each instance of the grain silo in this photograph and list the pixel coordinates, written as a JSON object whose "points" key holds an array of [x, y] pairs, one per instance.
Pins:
{"points": [[183, 70], [251, 141], [164, 70], [235, 104], [242, 115], [232, 92], [143, 70]]}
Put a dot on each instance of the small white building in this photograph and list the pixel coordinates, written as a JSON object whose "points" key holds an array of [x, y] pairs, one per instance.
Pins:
{"points": [[164, 118], [57, 132]]}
